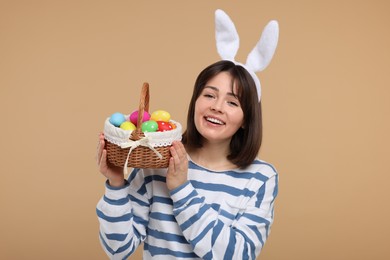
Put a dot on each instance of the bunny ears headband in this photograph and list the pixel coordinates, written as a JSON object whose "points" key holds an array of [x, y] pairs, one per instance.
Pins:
{"points": [[228, 42]]}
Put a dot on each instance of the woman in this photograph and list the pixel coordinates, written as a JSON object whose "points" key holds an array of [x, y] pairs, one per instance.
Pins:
{"points": [[216, 199]]}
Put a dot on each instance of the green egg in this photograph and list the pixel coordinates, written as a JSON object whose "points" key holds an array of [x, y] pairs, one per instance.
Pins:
{"points": [[149, 126]]}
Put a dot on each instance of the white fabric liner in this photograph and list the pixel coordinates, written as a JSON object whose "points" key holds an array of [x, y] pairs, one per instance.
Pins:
{"points": [[119, 136]]}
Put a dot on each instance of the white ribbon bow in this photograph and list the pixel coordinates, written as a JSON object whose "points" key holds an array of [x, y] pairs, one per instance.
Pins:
{"points": [[134, 144]]}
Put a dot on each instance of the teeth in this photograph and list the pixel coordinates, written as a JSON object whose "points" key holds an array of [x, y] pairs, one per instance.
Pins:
{"points": [[213, 120]]}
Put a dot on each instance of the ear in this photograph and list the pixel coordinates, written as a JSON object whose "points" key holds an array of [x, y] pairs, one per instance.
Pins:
{"points": [[261, 55], [226, 36]]}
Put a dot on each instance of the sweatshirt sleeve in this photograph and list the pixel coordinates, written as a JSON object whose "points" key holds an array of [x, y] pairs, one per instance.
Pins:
{"points": [[203, 225], [122, 214]]}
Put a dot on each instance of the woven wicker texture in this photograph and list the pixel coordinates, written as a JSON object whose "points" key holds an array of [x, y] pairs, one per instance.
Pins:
{"points": [[141, 156]]}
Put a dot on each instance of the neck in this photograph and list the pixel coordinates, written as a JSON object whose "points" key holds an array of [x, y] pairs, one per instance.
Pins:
{"points": [[212, 156]]}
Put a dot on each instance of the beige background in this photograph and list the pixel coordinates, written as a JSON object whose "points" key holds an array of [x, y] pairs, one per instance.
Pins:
{"points": [[66, 65]]}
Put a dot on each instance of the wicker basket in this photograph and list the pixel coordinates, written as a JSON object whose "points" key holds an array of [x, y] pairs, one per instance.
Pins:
{"points": [[141, 156]]}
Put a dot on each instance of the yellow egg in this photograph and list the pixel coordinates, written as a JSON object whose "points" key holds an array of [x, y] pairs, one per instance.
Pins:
{"points": [[160, 115], [128, 126]]}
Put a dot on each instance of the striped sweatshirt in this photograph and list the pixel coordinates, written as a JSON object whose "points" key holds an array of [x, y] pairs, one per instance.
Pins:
{"points": [[214, 215]]}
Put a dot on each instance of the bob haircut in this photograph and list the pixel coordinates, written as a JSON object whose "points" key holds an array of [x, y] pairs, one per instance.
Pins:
{"points": [[246, 142]]}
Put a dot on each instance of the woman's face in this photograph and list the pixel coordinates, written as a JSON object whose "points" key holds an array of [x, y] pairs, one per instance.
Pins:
{"points": [[218, 112]]}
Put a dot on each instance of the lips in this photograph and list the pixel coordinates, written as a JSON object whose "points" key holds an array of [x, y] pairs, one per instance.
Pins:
{"points": [[214, 120]]}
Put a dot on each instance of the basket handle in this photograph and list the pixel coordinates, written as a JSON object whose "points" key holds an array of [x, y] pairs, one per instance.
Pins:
{"points": [[143, 106]]}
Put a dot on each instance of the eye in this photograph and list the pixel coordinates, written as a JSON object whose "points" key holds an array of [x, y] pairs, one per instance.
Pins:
{"points": [[207, 95], [233, 103]]}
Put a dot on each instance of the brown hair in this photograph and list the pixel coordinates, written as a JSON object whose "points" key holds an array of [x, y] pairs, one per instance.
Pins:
{"points": [[246, 142]]}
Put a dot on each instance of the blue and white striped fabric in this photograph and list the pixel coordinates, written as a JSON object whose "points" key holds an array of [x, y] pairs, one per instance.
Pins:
{"points": [[215, 215]]}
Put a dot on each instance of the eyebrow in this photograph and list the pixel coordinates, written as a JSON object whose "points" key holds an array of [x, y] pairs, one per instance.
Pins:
{"points": [[217, 89]]}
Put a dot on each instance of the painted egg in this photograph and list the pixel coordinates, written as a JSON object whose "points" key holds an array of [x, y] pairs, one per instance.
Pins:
{"points": [[128, 126], [149, 126], [160, 115], [173, 125], [134, 117], [117, 119], [164, 126]]}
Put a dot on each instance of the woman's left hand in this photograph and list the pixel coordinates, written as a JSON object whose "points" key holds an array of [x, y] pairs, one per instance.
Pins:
{"points": [[178, 166]]}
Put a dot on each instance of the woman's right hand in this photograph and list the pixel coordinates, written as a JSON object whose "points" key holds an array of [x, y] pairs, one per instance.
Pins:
{"points": [[113, 173]]}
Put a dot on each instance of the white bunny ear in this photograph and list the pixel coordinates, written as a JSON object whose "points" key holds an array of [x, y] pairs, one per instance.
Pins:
{"points": [[226, 36], [261, 55], [228, 43]]}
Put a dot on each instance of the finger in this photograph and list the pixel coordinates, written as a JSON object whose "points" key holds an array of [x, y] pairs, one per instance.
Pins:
{"points": [[177, 159], [181, 150], [98, 143], [171, 166], [103, 160], [181, 153], [174, 154], [99, 151]]}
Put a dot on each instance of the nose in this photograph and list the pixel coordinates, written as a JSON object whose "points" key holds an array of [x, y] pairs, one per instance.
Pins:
{"points": [[217, 105]]}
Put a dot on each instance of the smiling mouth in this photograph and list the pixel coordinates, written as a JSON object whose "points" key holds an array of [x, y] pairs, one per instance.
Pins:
{"points": [[214, 121]]}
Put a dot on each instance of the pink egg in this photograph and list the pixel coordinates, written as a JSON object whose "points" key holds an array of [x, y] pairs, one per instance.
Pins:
{"points": [[134, 117]]}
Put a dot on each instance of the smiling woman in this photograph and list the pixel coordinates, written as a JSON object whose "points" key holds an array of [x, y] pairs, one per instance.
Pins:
{"points": [[230, 93], [216, 198], [217, 110]]}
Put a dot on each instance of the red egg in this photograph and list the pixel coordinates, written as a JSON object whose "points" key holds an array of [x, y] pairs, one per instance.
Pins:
{"points": [[164, 126]]}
